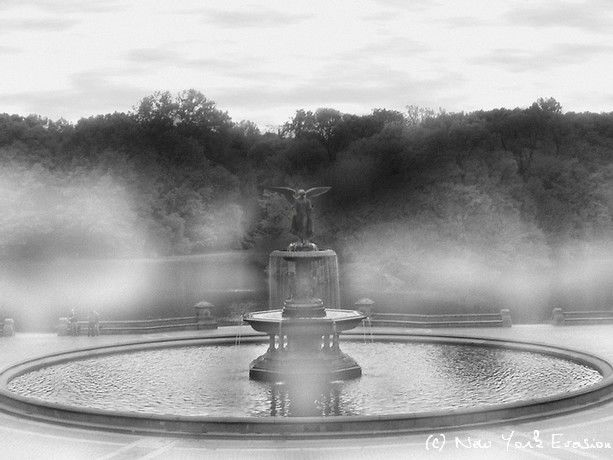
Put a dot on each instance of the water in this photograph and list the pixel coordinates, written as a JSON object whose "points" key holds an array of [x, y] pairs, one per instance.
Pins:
{"points": [[397, 378], [367, 329]]}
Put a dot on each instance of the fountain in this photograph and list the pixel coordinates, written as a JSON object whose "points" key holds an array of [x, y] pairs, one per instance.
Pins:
{"points": [[303, 335]]}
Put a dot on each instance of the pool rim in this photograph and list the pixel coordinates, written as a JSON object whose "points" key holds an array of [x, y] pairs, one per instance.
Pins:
{"points": [[303, 427]]}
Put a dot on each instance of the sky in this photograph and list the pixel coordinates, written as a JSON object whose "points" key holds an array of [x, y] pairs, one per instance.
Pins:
{"points": [[263, 60]]}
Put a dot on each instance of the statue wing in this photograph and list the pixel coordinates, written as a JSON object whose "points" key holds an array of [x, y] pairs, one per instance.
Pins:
{"points": [[316, 191], [288, 193]]}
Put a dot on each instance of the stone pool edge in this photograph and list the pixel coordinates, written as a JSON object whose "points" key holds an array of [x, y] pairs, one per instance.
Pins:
{"points": [[303, 427]]}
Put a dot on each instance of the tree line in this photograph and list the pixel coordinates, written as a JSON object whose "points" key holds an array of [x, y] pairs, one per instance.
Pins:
{"points": [[176, 175]]}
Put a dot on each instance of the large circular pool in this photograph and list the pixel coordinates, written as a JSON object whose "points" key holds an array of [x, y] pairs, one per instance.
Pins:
{"points": [[398, 378]]}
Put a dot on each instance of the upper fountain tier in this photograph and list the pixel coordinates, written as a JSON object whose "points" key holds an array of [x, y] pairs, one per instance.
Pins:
{"points": [[297, 279], [306, 276]]}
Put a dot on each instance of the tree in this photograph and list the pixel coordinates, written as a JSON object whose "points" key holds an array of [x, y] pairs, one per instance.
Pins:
{"points": [[301, 125], [321, 125], [549, 105], [326, 125], [416, 115], [158, 108], [189, 110], [185, 128], [198, 114], [247, 129]]}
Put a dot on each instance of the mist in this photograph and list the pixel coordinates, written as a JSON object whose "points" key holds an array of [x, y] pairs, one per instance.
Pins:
{"points": [[421, 271]]}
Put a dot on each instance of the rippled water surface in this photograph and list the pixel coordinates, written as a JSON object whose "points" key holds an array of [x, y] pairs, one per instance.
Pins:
{"points": [[214, 381]]}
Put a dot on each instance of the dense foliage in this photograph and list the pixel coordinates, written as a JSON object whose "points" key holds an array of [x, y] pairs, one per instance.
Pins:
{"points": [[177, 176]]}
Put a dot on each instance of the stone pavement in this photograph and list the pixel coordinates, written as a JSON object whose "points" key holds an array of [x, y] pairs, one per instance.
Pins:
{"points": [[582, 434]]}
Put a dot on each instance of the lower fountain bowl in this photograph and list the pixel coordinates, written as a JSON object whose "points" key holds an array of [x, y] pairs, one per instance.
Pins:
{"points": [[279, 366], [304, 347]]}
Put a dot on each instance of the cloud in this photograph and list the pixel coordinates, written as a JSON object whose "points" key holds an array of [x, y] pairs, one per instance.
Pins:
{"points": [[589, 15], [246, 68], [36, 25], [157, 56], [393, 46], [91, 90], [465, 22], [150, 57], [254, 17], [521, 60], [373, 86], [404, 5], [384, 11], [65, 6]]}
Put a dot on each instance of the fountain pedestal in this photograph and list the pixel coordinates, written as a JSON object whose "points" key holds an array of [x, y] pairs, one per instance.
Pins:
{"points": [[303, 335]]}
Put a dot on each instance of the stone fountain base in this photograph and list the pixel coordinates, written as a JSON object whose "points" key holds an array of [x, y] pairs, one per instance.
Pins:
{"points": [[303, 335], [282, 366]]}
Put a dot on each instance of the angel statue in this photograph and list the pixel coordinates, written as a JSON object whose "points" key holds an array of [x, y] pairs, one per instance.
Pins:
{"points": [[302, 223]]}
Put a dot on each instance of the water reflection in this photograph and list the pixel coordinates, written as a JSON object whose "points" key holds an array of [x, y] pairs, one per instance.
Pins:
{"points": [[306, 399]]}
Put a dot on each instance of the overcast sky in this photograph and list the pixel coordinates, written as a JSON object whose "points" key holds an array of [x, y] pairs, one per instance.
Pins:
{"points": [[262, 60]]}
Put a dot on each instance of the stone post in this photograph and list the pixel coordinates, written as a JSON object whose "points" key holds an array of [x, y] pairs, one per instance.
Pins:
{"points": [[558, 317], [506, 317], [271, 343], [63, 327], [8, 329], [365, 306], [204, 316]]}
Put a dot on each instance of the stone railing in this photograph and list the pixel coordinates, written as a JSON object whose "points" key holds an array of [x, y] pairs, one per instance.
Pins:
{"points": [[564, 318], [203, 319], [367, 307], [501, 319], [187, 323]]}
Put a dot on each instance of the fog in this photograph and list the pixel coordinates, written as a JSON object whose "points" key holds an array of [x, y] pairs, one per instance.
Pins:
{"points": [[422, 276], [59, 233]]}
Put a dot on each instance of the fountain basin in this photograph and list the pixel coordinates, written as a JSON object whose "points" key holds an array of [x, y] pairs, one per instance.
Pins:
{"points": [[392, 417]]}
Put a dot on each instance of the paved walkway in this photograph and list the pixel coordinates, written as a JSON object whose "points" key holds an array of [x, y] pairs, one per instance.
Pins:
{"points": [[571, 436]]}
